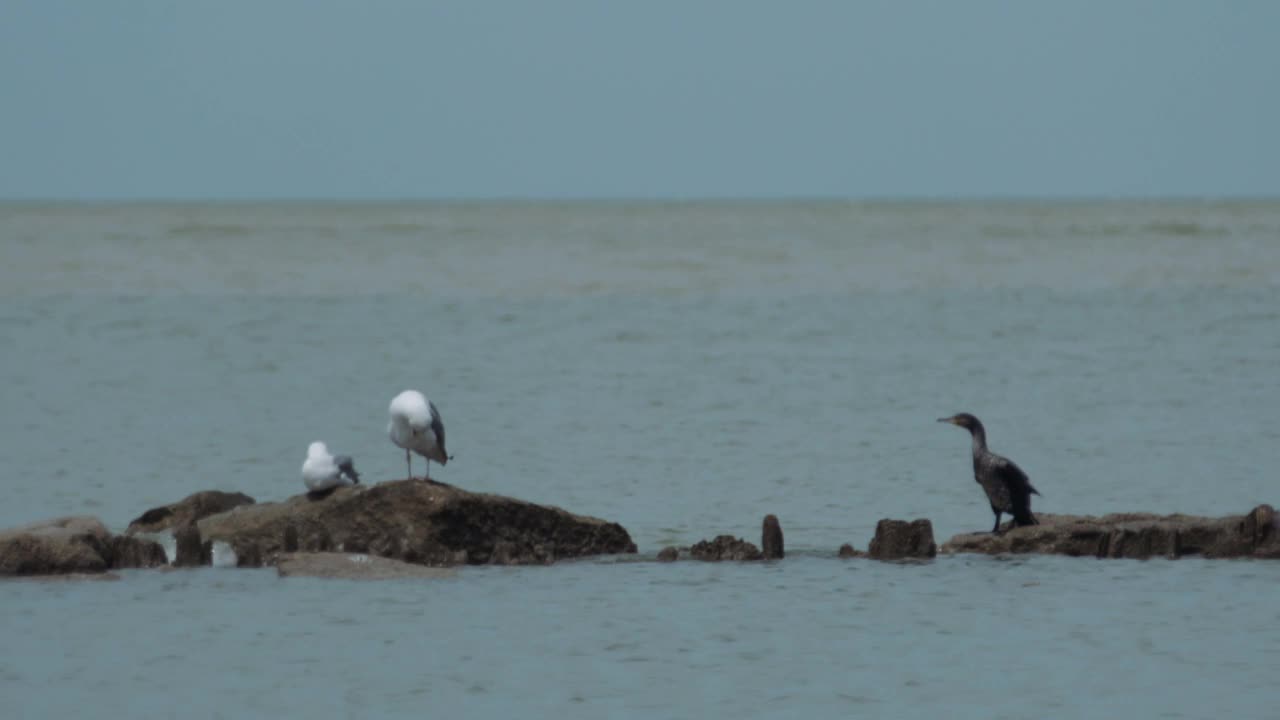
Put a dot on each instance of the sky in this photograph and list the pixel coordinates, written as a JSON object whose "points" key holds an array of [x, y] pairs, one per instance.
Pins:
{"points": [[329, 99]]}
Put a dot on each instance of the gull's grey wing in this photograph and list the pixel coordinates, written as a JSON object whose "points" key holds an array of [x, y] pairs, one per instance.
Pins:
{"points": [[437, 427], [345, 467]]}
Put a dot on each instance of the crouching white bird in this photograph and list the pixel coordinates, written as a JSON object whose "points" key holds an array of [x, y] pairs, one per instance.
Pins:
{"points": [[322, 471], [416, 426]]}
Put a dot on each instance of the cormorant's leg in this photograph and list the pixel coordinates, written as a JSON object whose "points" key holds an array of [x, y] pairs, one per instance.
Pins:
{"points": [[408, 460], [996, 530]]}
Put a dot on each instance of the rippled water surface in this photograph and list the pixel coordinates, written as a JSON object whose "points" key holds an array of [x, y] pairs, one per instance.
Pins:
{"points": [[682, 369]]}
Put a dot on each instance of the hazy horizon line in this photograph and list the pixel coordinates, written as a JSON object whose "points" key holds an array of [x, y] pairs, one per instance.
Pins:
{"points": [[633, 199]]}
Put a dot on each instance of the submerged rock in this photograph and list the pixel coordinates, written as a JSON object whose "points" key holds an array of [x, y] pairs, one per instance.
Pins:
{"points": [[78, 544], [353, 567], [1134, 535], [186, 511], [417, 521], [848, 551], [725, 547], [668, 554], [900, 539]]}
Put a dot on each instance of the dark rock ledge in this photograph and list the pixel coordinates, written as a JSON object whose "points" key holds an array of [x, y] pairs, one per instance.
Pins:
{"points": [[725, 547], [1255, 534], [896, 540], [415, 521], [68, 545], [729, 548], [186, 511], [902, 540]]}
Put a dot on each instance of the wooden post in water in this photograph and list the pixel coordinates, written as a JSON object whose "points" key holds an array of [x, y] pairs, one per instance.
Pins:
{"points": [[771, 538]]}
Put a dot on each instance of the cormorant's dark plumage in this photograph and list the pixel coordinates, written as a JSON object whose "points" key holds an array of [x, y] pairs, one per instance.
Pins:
{"points": [[1008, 488]]}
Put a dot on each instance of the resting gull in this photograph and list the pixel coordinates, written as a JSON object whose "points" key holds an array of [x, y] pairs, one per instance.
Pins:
{"points": [[416, 426], [322, 471]]}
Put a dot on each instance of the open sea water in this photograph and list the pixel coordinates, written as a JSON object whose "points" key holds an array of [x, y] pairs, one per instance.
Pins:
{"points": [[682, 368]]}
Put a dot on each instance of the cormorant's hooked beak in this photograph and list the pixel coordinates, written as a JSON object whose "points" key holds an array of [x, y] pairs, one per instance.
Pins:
{"points": [[951, 420]]}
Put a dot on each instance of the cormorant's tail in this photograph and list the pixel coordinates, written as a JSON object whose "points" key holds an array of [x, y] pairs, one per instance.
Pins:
{"points": [[1021, 510]]}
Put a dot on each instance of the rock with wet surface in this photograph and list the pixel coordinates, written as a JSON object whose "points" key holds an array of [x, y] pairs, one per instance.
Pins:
{"points": [[350, 566], [78, 544], [189, 549], [848, 551], [725, 547], [417, 521], [186, 511], [131, 552], [1134, 535], [902, 539]]}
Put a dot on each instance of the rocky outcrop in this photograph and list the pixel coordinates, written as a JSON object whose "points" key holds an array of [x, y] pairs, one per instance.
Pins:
{"points": [[900, 539], [130, 552], [1134, 535], [771, 538], [668, 554], [72, 545], [848, 551], [353, 567], [186, 511], [417, 521], [725, 547]]}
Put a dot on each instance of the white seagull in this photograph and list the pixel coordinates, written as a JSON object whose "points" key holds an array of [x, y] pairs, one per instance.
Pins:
{"points": [[416, 425], [322, 471]]}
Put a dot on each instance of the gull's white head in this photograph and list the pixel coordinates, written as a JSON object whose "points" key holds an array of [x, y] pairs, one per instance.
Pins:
{"points": [[409, 404], [317, 449]]}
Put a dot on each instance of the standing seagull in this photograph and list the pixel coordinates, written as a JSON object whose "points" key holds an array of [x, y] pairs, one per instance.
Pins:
{"points": [[322, 471], [416, 425], [1008, 488]]}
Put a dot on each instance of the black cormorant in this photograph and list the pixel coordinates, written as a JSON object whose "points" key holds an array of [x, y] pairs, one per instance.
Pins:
{"points": [[1008, 488]]}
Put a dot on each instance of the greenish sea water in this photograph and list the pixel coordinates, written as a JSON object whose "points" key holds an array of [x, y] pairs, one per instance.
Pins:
{"points": [[683, 369]]}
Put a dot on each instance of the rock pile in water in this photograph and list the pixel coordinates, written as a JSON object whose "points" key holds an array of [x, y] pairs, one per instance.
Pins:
{"points": [[1255, 534]]}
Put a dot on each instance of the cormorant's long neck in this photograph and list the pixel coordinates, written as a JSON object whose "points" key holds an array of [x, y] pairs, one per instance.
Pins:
{"points": [[979, 439]]}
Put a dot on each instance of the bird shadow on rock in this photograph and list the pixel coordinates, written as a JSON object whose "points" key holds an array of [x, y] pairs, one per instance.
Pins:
{"points": [[317, 495]]}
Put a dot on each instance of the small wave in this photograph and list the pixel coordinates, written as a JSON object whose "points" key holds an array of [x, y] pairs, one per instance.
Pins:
{"points": [[1004, 231], [209, 230], [1183, 229], [399, 228], [223, 555], [1107, 230], [631, 336], [167, 542]]}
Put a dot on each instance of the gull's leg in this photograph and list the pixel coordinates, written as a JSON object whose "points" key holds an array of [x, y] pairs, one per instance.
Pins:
{"points": [[408, 461], [427, 476]]}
